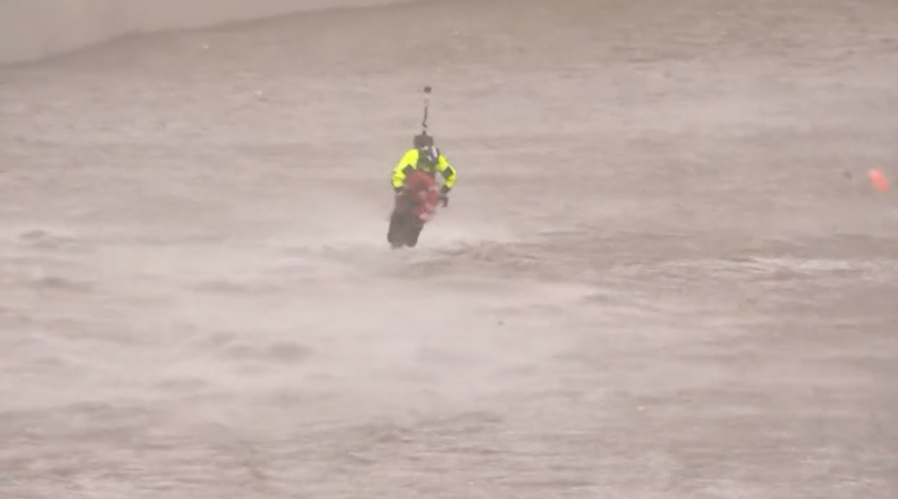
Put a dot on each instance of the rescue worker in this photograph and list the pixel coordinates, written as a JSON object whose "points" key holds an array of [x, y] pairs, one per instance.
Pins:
{"points": [[426, 157]]}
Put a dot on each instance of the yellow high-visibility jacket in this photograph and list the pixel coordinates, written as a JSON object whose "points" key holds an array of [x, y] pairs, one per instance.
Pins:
{"points": [[409, 162]]}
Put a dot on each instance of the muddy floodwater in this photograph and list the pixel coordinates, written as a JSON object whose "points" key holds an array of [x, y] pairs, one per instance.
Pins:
{"points": [[662, 273]]}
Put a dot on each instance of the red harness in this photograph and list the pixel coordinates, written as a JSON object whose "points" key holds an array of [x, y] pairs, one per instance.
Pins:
{"points": [[422, 194]]}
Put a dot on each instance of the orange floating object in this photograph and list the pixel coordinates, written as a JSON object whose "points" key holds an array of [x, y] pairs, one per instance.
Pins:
{"points": [[878, 179]]}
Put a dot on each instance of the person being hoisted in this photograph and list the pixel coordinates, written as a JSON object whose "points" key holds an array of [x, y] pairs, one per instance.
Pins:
{"points": [[424, 156]]}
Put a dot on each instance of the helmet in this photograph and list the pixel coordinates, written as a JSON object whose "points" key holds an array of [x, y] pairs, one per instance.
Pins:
{"points": [[428, 156], [422, 140]]}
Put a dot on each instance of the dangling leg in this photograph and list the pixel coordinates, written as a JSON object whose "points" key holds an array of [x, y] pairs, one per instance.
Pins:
{"points": [[414, 230], [395, 232]]}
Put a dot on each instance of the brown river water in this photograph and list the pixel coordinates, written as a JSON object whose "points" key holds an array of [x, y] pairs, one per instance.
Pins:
{"points": [[662, 273]]}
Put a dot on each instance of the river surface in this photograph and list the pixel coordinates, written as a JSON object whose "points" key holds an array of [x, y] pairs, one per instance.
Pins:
{"points": [[662, 273]]}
